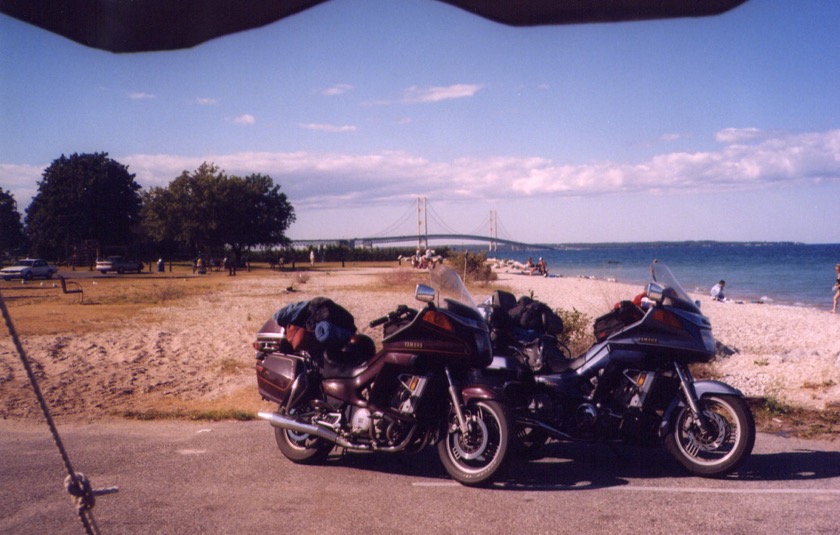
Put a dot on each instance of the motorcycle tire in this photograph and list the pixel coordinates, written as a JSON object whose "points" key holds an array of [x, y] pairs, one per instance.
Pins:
{"points": [[480, 456], [720, 452], [302, 448]]}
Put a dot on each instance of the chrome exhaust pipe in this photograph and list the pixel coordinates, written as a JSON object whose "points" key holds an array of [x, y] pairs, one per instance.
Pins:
{"points": [[283, 422]]}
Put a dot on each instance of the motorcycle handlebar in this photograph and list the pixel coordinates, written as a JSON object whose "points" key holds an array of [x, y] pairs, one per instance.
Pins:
{"points": [[400, 312]]}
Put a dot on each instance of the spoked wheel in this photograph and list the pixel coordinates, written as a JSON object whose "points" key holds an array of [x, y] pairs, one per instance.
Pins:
{"points": [[301, 448], [718, 452], [480, 455]]}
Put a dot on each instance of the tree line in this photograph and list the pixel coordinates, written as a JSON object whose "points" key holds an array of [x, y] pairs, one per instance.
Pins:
{"points": [[90, 201]]}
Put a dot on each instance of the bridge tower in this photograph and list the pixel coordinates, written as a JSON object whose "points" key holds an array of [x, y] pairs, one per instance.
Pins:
{"points": [[494, 231], [422, 225]]}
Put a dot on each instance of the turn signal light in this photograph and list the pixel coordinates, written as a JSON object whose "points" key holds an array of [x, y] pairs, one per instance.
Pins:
{"points": [[438, 319], [667, 318]]}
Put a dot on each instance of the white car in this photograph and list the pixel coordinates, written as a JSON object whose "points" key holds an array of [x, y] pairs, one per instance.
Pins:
{"points": [[118, 264], [28, 269]]}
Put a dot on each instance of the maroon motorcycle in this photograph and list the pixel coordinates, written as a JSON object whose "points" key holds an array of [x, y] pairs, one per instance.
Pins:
{"points": [[414, 392]]}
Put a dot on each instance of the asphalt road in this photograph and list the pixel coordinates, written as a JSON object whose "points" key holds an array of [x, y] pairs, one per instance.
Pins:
{"points": [[229, 477]]}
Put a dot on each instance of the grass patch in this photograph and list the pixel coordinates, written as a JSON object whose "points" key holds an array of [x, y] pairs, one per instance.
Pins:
{"points": [[400, 278], [39, 307], [232, 366], [212, 415], [774, 416], [818, 386]]}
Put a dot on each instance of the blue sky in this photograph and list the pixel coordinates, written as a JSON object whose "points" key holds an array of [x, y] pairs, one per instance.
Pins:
{"points": [[724, 128]]}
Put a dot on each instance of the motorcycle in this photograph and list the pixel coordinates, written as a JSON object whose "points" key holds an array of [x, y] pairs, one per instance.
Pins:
{"points": [[632, 385], [412, 393]]}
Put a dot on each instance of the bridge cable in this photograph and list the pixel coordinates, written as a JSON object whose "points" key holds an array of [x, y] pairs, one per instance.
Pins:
{"points": [[482, 228], [394, 226], [503, 231], [76, 484], [439, 220]]}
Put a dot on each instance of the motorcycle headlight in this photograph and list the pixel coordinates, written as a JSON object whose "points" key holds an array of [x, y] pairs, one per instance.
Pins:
{"points": [[482, 342], [709, 341]]}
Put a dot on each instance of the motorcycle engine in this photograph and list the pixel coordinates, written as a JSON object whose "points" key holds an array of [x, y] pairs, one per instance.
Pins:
{"points": [[360, 422], [409, 392]]}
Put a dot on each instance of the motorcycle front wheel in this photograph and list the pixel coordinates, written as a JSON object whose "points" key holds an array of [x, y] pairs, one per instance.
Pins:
{"points": [[301, 448], [481, 454], [718, 452]]}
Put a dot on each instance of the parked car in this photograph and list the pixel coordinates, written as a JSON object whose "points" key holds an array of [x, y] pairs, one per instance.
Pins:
{"points": [[118, 264], [28, 269]]}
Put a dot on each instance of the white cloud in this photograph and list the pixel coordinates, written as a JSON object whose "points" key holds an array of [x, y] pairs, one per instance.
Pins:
{"points": [[388, 176], [670, 137], [336, 90], [203, 101], [330, 180], [21, 181], [139, 95], [245, 118], [437, 94], [739, 135], [320, 127]]}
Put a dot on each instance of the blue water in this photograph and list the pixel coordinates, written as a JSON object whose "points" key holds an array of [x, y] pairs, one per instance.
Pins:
{"points": [[785, 274]]}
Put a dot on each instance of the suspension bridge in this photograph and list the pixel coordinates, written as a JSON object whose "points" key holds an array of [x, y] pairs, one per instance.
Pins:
{"points": [[396, 233]]}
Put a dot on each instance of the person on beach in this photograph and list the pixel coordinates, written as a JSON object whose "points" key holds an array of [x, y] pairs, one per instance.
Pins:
{"points": [[542, 267], [836, 289], [717, 291], [530, 267]]}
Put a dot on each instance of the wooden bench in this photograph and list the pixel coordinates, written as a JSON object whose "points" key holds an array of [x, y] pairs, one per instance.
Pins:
{"points": [[75, 287]]}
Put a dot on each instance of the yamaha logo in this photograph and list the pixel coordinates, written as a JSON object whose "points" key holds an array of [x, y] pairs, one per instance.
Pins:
{"points": [[413, 345]]}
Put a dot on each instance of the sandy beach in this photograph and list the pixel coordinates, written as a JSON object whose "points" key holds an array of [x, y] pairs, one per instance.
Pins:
{"points": [[198, 353]]}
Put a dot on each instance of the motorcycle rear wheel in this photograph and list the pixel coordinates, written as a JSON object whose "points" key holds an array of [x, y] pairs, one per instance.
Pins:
{"points": [[301, 448], [481, 455], [717, 453]]}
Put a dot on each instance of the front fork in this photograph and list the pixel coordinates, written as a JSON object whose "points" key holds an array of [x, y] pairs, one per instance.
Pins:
{"points": [[455, 396], [690, 394]]}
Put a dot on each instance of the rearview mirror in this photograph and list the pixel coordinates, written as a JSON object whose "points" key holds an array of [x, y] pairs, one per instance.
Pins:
{"points": [[424, 294], [654, 292]]}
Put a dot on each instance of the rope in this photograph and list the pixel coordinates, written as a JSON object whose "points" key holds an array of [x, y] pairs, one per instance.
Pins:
{"points": [[76, 484]]}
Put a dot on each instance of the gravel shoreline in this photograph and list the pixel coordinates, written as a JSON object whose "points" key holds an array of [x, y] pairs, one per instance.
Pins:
{"points": [[199, 352]]}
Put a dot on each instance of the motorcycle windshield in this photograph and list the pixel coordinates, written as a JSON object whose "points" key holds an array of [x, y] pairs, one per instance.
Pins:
{"points": [[675, 293], [449, 286]]}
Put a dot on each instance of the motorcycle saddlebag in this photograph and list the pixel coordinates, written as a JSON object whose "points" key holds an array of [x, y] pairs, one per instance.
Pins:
{"points": [[275, 375], [624, 314]]}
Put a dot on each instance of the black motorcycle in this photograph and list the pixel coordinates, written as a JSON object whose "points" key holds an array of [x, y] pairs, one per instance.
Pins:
{"points": [[633, 385], [414, 392]]}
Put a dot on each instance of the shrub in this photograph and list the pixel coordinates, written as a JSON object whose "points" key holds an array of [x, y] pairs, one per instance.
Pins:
{"points": [[473, 265], [577, 330]]}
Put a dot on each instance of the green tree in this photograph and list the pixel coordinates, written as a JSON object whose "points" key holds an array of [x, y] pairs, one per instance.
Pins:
{"points": [[209, 210], [184, 212], [81, 197], [254, 212], [12, 238]]}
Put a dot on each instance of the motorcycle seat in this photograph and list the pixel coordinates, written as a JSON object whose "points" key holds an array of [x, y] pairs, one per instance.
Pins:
{"points": [[332, 370], [563, 365]]}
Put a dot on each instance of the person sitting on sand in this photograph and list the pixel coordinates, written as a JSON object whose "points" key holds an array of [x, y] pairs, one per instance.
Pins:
{"points": [[717, 291], [836, 289], [530, 267]]}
